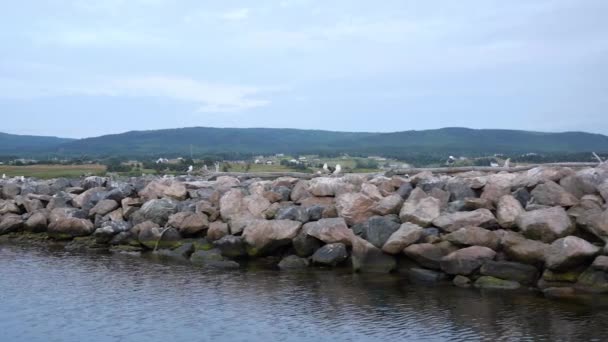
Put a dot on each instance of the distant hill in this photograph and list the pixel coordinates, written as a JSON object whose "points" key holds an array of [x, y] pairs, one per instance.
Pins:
{"points": [[14, 144], [248, 141]]}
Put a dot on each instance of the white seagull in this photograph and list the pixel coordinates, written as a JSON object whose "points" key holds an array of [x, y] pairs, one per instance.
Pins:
{"points": [[326, 168], [190, 168], [338, 169]]}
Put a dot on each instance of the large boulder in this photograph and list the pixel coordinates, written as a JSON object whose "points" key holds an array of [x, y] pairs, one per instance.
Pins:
{"points": [[459, 189], [497, 186], [569, 252], [152, 236], [451, 222], [10, 223], [596, 222], [355, 207], [158, 211], [188, 223], [10, 190], [518, 248], [231, 246], [546, 225], [37, 222], [474, 236], [217, 230], [507, 211], [420, 211], [263, 237], [492, 283], [330, 230], [369, 259], [389, 205], [407, 234], [429, 255], [522, 273], [305, 245], [331, 254], [539, 174], [95, 182], [90, 198], [552, 194], [164, 188], [378, 229], [293, 262], [9, 207], [69, 227], [294, 213], [467, 260], [103, 207]]}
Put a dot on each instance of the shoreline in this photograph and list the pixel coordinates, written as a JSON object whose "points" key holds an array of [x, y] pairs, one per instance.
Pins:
{"points": [[542, 229]]}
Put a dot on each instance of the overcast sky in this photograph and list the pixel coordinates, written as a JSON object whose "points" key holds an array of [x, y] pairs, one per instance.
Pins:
{"points": [[79, 68]]}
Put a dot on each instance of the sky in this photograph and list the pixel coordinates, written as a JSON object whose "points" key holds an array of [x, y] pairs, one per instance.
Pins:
{"points": [[79, 68]]}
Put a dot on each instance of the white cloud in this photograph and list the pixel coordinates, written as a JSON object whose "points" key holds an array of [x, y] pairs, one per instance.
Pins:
{"points": [[236, 15]]}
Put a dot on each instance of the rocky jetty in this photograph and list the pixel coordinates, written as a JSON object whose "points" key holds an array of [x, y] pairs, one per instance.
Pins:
{"points": [[545, 228]]}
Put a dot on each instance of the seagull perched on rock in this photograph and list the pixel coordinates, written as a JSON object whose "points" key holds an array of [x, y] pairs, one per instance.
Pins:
{"points": [[338, 169], [326, 168], [508, 162], [190, 168], [22, 179], [4, 176]]}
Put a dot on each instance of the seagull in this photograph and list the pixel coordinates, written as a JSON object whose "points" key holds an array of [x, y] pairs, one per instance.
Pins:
{"points": [[338, 169], [3, 176], [508, 162], [325, 168], [190, 168], [22, 179]]}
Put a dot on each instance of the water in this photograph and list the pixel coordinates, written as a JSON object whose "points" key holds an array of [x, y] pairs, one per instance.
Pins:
{"points": [[62, 296]]}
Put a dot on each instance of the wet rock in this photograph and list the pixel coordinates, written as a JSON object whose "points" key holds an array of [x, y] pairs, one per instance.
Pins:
{"points": [[407, 234], [467, 260], [69, 227], [330, 230], [462, 281], [593, 280], [231, 246], [158, 211], [600, 263], [262, 237], [569, 252], [181, 253], [293, 262], [454, 221], [492, 283], [552, 194], [521, 273], [10, 223], [103, 207], [331, 254], [294, 213], [217, 230], [188, 223], [546, 225], [424, 276], [429, 255], [37, 223], [367, 258], [355, 207], [152, 236], [507, 211], [421, 212], [474, 236], [106, 233]]}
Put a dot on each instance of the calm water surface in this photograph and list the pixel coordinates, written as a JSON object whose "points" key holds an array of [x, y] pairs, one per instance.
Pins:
{"points": [[64, 296]]}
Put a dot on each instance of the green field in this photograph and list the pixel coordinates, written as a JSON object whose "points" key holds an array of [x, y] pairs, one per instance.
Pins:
{"points": [[52, 171]]}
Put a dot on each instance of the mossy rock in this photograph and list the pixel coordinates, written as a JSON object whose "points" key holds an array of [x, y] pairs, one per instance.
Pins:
{"points": [[488, 282], [594, 281], [569, 276]]}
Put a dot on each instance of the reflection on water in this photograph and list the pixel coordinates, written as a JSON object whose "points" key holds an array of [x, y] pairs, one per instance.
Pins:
{"points": [[61, 296]]}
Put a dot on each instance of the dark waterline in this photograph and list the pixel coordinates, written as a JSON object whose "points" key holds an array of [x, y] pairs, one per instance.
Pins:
{"points": [[64, 296]]}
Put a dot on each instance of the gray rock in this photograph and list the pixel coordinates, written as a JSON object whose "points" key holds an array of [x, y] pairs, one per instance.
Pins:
{"points": [[523, 250], [474, 236], [331, 254], [429, 255], [294, 213], [522, 273], [181, 253], [304, 244], [315, 212], [422, 275], [507, 211], [69, 227], [407, 234], [10, 190], [379, 229], [522, 195], [467, 260], [103, 207], [330, 230], [454, 221], [10, 223], [568, 252], [461, 281], [421, 212], [263, 237], [491, 283], [459, 189], [158, 211], [189, 223], [231, 246], [367, 258], [293, 262], [600, 263], [37, 223], [546, 225], [552, 194], [152, 236], [405, 190]]}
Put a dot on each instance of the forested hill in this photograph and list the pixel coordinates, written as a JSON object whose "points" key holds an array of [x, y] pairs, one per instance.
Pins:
{"points": [[248, 141], [18, 144]]}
